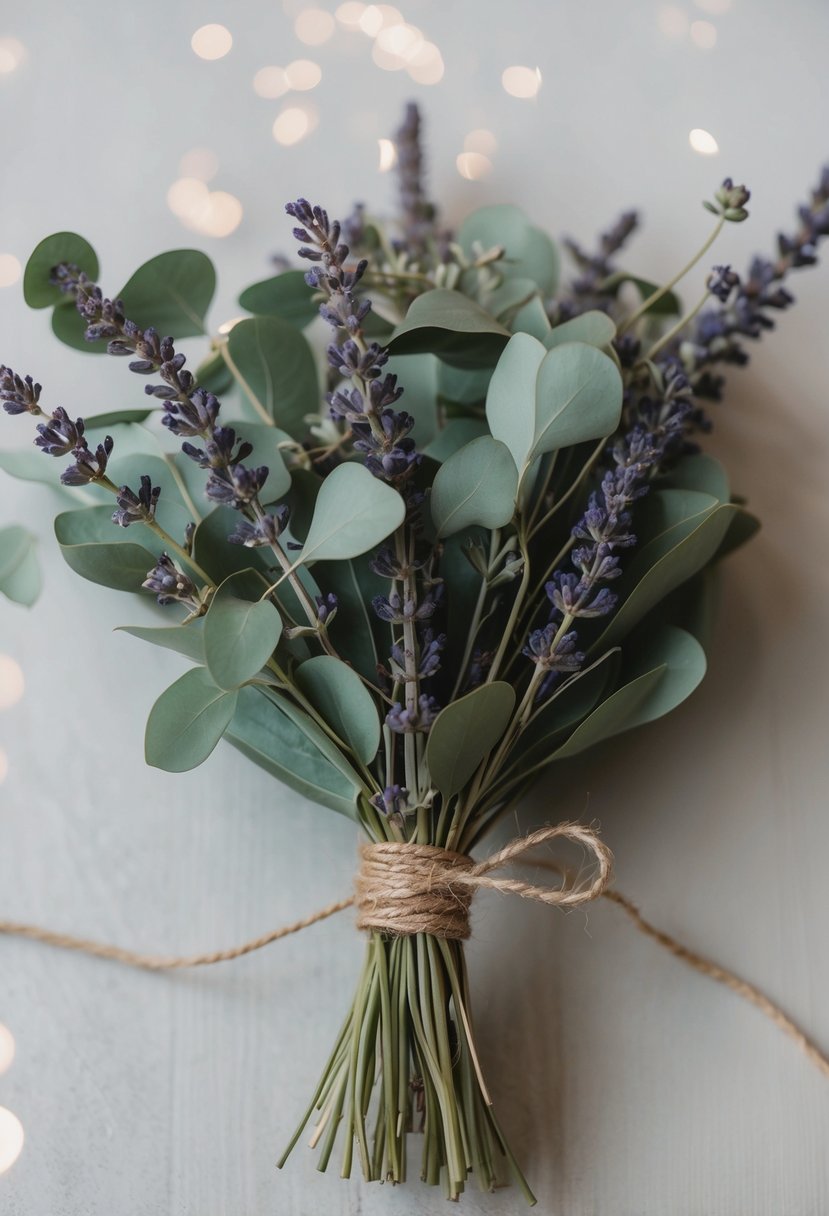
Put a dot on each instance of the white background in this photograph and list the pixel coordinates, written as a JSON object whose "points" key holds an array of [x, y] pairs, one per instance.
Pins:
{"points": [[628, 1084]]}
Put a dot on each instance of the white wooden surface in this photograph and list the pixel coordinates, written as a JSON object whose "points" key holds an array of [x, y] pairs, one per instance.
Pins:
{"points": [[629, 1084]]}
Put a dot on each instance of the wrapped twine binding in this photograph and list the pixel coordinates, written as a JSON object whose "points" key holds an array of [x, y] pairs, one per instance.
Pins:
{"points": [[405, 889]]}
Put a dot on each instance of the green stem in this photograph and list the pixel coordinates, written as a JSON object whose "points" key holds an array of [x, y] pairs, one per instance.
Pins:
{"points": [[224, 351], [646, 305], [677, 329]]}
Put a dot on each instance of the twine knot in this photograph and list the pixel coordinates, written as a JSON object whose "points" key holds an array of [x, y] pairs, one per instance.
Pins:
{"points": [[403, 889]]}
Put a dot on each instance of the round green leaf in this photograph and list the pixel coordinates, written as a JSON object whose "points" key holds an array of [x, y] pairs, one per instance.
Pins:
{"points": [[183, 639], [286, 296], [38, 291], [278, 369], [171, 292], [240, 634], [450, 325], [337, 692], [418, 374], [457, 433], [20, 577], [90, 544], [528, 251], [578, 397], [475, 486], [354, 512], [593, 327], [186, 722], [510, 401], [465, 732], [69, 327]]}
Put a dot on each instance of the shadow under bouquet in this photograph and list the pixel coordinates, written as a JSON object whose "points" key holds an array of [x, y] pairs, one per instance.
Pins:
{"points": [[472, 539]]}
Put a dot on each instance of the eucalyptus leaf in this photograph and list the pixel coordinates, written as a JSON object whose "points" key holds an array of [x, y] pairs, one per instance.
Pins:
{"points": [[668, 305], [38, 290], [212, 551], [286, 296], [593, 327], [20, 578], [240, 634], [289, 745], [477, 485], [172, 292], [354, 512], [700, 472], [30, 465], [353, 628], [69, 327], [278, 371], [743, 526], [465, 732], [90, 544], [463, 385], [450, 325], [339, 695], [528, 251], [578, 397], [669, 666], [116, 418], [183, 639], [532, 319], [187, 721], [418, 374], [511, 399], [566, 707], [457, 433]]}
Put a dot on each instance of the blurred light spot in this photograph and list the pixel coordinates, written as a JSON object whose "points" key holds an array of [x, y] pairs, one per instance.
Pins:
{"points": [[387, 60], [210, 212], [703, 34], [314, 26], [201, 163], [212, 41], [11, 1139], [6, 1048], [426, 65], [10, 269], [473, 165], [672, 21], [388, 155], [187, 198], [223, 214], [703, 142], [403, 40], [521, 82], [270, 82], [12, 684], [292, 125], [376, 17], [480, 140], [303, 74], [350, 14], [12, 54], [717, 7], [227, 326]]}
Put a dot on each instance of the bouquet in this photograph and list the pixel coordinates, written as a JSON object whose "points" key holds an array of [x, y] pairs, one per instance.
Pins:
{"points": [[473, 538]]}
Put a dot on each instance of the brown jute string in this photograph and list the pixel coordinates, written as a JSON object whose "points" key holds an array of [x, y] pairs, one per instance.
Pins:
{"points": [[406, 889]]}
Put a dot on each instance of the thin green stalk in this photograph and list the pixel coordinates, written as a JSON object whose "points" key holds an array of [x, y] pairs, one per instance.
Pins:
{"points": [[224, 351], [648, 304], [677, 329]]}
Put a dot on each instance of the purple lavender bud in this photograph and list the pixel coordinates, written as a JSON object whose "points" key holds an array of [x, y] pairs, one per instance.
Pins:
{"points": [[136, 508], [326, 607], [170, 584], [394, 800], [19, 394]]}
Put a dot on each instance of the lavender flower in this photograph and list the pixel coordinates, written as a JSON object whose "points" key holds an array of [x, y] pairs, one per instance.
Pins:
{"points": [[136, 508], [19, 394], [418, 214], [171, 585]]}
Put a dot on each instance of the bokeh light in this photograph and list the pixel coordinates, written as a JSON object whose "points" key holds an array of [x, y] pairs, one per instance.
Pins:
{"points": [[212, 41], [313, 26], [703, 35], [202, 163], [209, 212], [672, 21], [303, 74], [521, 81], [270, 82], [388, 155], [293, 125], [350, 14], [6, 1048], [473, 165], [480, 140], [10, 269], [426, 65], [11, 1139], [12, 684], [703, 141], [12, 54]]}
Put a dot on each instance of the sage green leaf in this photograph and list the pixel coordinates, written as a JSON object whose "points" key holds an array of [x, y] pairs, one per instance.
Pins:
{"points": [[418, 375], [20, 578], [29, 465], [116, 418], [353, 628], [302, 501], [475, 486], [69, 327], [353, 513], [700, 472], [666, 306], [286, 296], [289, 745], [664, 509], [461, 581], [465, 732], [528, 251], [183, 639], [171, 292], [240, 634], [668, 668], [509, 298], [448, 324], [93, 546], [593, 327], [743, 526], [340, 696], [266, 442], [38, 290], [664, 564], [568, 706], [186, 722], [532, 319], [278, 371], [463, 385], [511, 399], [457, 433], [578, 397], [212, 550], [214, 375]]}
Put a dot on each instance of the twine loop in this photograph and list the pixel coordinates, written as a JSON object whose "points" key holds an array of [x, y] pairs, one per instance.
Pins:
{"points": [[403, 889]]}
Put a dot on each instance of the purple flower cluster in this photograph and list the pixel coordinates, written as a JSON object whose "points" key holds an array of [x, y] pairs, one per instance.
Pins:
{"points": [[595, 267], [417, 213]]}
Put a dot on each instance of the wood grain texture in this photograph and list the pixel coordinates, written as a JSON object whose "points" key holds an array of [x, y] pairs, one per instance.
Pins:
{"points": [[632, 1086]]}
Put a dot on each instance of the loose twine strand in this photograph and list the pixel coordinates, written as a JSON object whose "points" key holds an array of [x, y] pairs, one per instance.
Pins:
{"points": [[407, 889]]}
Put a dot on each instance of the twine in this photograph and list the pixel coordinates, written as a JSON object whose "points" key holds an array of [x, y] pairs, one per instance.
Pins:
{"points": [[407, 889]]}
